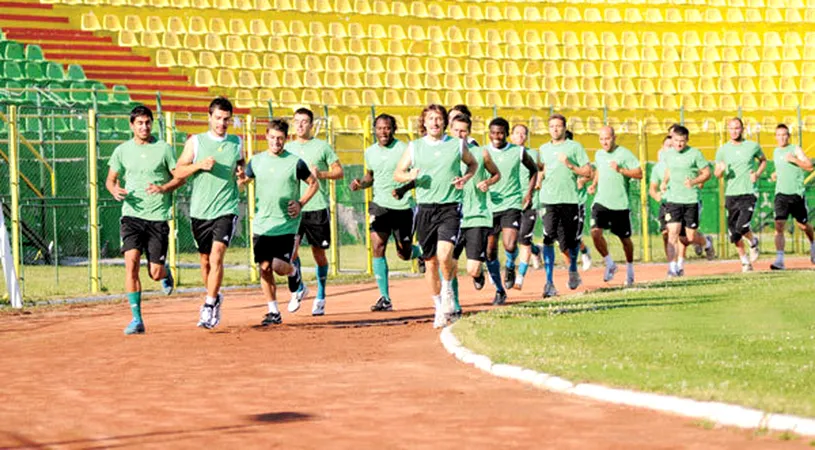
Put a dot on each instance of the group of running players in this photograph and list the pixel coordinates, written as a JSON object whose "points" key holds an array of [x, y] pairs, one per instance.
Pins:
{"points": [[456, 196]]}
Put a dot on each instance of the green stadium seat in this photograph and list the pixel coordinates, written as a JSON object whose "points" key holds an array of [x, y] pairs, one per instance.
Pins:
{"points": [[33, 70], [33, 52], [120, 95], [79, 93], [53, 71], [75, 73], [10, 70], [11, 50], [13, 92]]}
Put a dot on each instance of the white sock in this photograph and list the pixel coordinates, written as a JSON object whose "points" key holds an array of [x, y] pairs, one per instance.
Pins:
{"points": [[811, 245], [779, 256], [629, 269], [608, 260], [672, 266], [273, 307], [447, 284], [745, 260], [437, 301], [754, 242], [708, 244], [209, 300], [680, 263]]}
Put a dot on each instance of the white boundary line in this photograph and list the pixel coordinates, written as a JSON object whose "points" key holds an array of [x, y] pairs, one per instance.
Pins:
{"points": [[720, 413]]}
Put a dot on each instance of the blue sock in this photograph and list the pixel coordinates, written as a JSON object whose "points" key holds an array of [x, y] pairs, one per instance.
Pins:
{"points": [[417, 252], [510, 258], [456, 304], [134, 299], [522, 268], [573, 259], [535, 249], [381, 274], [584, 249], [549, 262], [322, 274], [494, 268], [296, 263]]}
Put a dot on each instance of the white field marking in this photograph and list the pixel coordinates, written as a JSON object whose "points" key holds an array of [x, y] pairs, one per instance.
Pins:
{"points": [[720, 413]]}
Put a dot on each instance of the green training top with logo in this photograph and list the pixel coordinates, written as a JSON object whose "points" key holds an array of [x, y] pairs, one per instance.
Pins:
{"points": [[382, 161], [524, 181], [612, 187], [657, 174], [277, 181], [682, 166], [215, 192], [559, 185], [475, 208], [140, 166], [739, 159], [315, 152], [506, 193], [439, 163], [790, 179]]}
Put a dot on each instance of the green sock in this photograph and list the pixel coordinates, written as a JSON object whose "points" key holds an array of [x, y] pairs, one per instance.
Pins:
{"points": [[417, 252], [134, 298], [381, 275], [456, 305]]}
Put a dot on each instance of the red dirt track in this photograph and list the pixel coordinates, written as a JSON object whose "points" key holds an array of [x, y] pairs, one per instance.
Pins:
{"points": [[69, 378]]}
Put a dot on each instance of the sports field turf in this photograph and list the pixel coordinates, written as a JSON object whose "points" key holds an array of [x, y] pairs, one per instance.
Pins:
{"points": [[743, 339]]}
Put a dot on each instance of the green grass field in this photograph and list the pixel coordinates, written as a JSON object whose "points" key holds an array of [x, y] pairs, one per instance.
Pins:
{"points": [[748, 340]]}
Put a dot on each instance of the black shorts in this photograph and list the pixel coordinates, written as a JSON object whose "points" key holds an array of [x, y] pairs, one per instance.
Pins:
{"points": [[150, 237], [686, 214], [475, 241], [618, 221], [581, 220], [739, 215], [527, 232], [437, 222], [316, 227], [220, 229], [269, 248], [560, 224], [386, 221], [510, 218], [794, 205], [663, 225]]}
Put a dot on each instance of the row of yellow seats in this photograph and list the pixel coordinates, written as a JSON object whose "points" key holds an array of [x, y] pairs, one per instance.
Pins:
{"points": [[609, 69], [668, 54], [720, 3]]}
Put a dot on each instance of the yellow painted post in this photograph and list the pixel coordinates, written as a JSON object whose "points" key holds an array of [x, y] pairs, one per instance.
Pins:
{"points": [[646, 236], [722, 214], [94, 200], [172, 244], [14, 187], [334, 263], [250, 197], [369, 248]]}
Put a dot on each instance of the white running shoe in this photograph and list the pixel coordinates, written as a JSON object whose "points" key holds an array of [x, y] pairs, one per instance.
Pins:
{"points": [[440, 320], [549, 290], [296, 298], [574, 280], [673, 274], [629, 281], [216, 311], [586, 258], [754, 252], [609, 274], [777, 266], [745, 268], [537, 261], [447, 306], [205, 316], [519, 282], [710, 252], [318, 308]]}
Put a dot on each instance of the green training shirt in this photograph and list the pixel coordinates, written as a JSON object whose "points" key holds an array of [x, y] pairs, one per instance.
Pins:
{"points": [[315, 152], [524, 179], [140, 166], [475, 208], [559, 185], [683, 165], [277, 181], [657, 174], [215, 192], [506, 193], [382, 161], [790, 177], [739, 160], [439, 163], [612, 187]]}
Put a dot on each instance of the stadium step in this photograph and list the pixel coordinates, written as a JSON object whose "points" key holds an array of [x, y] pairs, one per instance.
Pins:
{"points": [[25, 5], [96, 48], [129, 69], [66, 56], [120, 78]]}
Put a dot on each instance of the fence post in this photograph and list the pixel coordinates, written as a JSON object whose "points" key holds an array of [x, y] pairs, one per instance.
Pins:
{"points": [[722, 214], [94, 201], [367, 194], [14, 186], [644, 217], [172, 253], [250, 197], [334, 262]]}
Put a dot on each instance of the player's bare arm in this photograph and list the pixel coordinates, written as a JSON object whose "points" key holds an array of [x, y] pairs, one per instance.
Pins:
{"points": [[403, 172], [112, 185], [363, 183], [186, 167], [492, 169]]}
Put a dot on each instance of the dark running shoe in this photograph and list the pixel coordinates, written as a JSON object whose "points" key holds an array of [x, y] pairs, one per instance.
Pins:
{"points": [[479, 282], [383, 304], [271, 319], [454, 316], [420, 262], [509, 278], [500, 298]]}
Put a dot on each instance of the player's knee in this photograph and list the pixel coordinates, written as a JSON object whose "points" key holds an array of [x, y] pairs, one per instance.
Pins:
{"points": [[735, 238], [596, 233], [280, 267]]}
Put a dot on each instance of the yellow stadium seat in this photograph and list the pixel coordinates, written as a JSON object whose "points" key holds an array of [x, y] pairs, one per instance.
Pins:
{"points": [[648, 70], [493, 13], [791, 54], [728, 70], [788, 85], [257, 27], [434, 66], [532, 14], [728, 102], [711, 54], [295, 44], [772, 39], [668, 70], [588, 69], [649, 54], [733, 15], [610, 53], [653, 15], [609, 39], [493, 82], [453, 98], [292, 63], [707, 86], [370, 97], [353, 80], [807, 70], [769, 101], [127, 39], [350, 98], [392, 98], [751, 39], [150, 40], [217, 26], [187, 58], [431, 97], [767, 85], [570, 38], [435, 10], [272, 62], [747, 85], [750, 54], [690, 54], [572, 101], [650, 39], [768, 69], [612, 15], [475, 100], [688, 69], [133, 23], [176, 25], [511, 13], [711, 39], [313, 63], [551, 14], [250, 61], [670, 39], [770, 54], [608, 70], [276, 44], [154, 24], [192, 42], [648, 101], [197, 25], [235, 43], [588, 85], [665, 86], [669, 54], [165, 58], [333, 80], [230, 60], [691, 39], [247, 80], [474, 13], [291, 79], [592, 101], [226, 78], [726, 86], [631, 54], [632, 15], [323, 6], [416, 33], [628, 70], [203, 78], [809, 54], [808, 100], [774, 16]]}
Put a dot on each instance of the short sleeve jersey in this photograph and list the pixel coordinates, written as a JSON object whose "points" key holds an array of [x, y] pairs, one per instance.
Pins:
{"points": [[315, 152], [559, 185], [526, 174], [215, 192], [682, 166], [506, 193], [475, 207], [382, 161], [140, 166], [612, 186], [439, 163], [790, 177], [739, 160], [277, 182], [657, 174]]}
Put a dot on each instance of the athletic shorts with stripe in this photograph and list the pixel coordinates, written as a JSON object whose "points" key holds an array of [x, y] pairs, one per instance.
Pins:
{"points": [[511, 218], [686, 214], [791, 205], [561, 224], [474, 240], [739, 215], [269, 248], [617, 221], [397, 222], [437, 222], [316, 227], [150, 237], [220, 229], [526, 235]]}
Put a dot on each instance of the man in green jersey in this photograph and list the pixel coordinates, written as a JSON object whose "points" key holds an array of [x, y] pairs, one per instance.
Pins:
{"points": [[529, 216], [315, 225], [213, 161], [562, 161], [615, 167], [654, 189], [734, 164], [434, 163], [582, 199], [686, 171], [507, 199], [277, 175], [389, 215], [476, 219], [147, 166], [790, 165]]}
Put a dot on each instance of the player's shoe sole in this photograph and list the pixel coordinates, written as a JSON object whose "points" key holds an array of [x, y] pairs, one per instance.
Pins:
{"points": [[271, 319], [382, 304], [549, 291], [318, 309], [500, 298], [296, 298], [134, 327], [205, 316], [777, 266]]}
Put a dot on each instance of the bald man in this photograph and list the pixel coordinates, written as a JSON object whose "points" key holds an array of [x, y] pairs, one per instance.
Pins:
{"points": [[615, 166]]}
